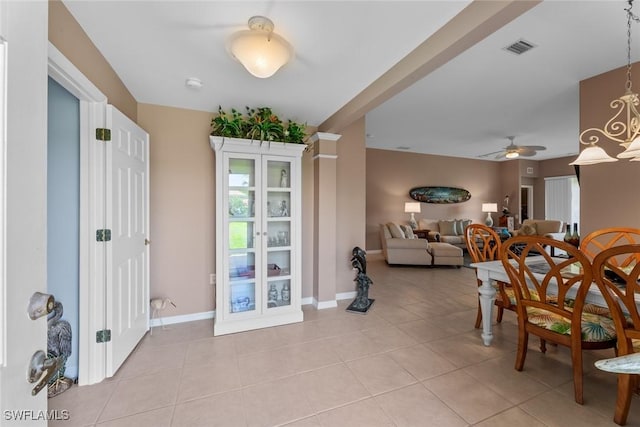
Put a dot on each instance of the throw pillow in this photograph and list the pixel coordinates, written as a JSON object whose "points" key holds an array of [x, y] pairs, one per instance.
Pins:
{"points": [[465, 224], [447, 228], [459, 227], [529, 229], [395, 230], [408, 232]]}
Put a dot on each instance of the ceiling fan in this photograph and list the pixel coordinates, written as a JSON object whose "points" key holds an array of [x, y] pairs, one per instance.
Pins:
{"points": [[513, 151]]}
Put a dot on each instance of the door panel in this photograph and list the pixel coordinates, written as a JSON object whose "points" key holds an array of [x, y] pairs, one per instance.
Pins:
{"points": [[127, 253]]}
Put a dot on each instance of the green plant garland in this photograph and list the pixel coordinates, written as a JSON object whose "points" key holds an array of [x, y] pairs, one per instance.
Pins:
{"points": [[258, 124]]}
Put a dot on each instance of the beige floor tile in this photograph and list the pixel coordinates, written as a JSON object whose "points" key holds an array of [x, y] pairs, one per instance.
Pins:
{"points": [[312, 355], [510, 418], [421, 362], [156, 418], [467, 396], [220, 410], [468, 349], [84, 404], [353, 346], [142, 394], [265, 366], [424, 330], [305, 422], [257, 341], [365, 413], [332, 387], [201, 380], [380, 373], [277, 402], [501, 377], [207, 350], [148, 360], [389, 338], [556, 409], [416, 406], [395, 314]]}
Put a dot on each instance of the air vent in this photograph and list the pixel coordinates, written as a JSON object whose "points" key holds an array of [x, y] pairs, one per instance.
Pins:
{"points": [[520, 47], [402, 147]]}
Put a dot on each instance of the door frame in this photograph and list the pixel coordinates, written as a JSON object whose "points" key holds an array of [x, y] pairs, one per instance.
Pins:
{"points": [[92, 286], [529, 201]]}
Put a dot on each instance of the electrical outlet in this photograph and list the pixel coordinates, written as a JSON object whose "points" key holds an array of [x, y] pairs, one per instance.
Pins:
{"points": [[212, 279]]}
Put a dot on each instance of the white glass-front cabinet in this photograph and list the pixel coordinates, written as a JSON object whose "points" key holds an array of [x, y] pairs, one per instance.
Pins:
{"points": [[258, 240]]}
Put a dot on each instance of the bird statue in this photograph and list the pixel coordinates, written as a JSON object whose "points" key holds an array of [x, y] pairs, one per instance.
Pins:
{"points": [[159, 304], [58, 346]]}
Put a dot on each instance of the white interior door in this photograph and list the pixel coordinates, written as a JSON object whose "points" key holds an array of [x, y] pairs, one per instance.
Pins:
{"points": [[128, 252], [23, 160]]}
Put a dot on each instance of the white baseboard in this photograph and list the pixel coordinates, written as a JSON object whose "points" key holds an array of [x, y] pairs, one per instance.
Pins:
{"points": [[170, 320]]}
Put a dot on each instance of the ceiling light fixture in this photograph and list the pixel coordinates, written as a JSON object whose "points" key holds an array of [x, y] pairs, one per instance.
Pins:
{"points": [[623, 127], [512, 154], [261, 51]]}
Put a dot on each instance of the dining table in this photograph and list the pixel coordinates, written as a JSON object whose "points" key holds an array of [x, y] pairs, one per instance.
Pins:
{"points": [[490, 271]]}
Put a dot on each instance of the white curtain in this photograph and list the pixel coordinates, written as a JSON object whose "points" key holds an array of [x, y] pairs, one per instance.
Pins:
{"points": [[562, 199]]}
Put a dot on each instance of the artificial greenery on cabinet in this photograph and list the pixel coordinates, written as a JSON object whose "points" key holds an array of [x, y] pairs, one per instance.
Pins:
{"points": [[257, 124]]}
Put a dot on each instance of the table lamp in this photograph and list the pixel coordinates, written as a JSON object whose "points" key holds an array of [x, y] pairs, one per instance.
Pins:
{"points": [[488, 208], [412, 207]]}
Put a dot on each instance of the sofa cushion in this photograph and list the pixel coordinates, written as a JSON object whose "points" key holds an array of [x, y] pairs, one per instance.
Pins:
{"points": [[548, 226], [395, 230], [454, 240], [447, 228], [428, 224], [445, 249]]}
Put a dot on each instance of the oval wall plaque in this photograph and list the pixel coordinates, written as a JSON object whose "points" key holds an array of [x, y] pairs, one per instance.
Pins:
{"points": [[439, 194]]}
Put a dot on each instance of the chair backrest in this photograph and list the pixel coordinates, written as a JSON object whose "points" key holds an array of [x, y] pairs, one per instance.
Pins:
{"points": [[605, 238], [619, 285], [554, 284], [482, 243]]}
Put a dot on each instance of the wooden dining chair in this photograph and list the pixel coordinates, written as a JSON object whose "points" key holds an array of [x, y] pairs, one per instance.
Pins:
{"points": [[550, 298], [605, 238], [616, 271], [483, 244]]}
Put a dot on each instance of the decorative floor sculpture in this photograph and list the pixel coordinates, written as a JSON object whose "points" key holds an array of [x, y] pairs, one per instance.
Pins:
{"points": [[362, 303]]}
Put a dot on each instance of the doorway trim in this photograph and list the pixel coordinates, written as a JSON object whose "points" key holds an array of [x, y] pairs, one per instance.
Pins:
{"points": [[91, 301], [529, 201]]}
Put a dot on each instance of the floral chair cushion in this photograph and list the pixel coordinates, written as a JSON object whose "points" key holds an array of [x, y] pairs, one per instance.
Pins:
{"points": [[595, 328]]}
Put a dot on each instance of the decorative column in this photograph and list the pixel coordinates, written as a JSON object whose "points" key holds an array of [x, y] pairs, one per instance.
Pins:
{"points": [[325, 155]]}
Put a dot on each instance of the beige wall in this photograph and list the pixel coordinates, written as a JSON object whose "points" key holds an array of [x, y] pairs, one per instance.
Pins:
{"points": [[350, 201], [391, 174], [608, 191], [68, 36], [182, 177]]}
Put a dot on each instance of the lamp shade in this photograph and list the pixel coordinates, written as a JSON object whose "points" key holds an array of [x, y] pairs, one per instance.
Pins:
{"points": [[489, 207], [593, 155], [633, 150], [259, 49], [412, 207]]}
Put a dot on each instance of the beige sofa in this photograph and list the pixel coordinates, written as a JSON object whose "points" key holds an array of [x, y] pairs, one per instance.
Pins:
{"points": [[446, 231], [399, 246], [541, 227]]}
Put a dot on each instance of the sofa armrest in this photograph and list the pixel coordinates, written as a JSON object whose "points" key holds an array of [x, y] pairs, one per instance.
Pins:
{"points": [[556, 236], [395, 243], [434, 236]]}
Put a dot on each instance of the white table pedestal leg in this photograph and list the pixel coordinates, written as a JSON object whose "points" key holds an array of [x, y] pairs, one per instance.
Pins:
{"points": [[487, 295]]}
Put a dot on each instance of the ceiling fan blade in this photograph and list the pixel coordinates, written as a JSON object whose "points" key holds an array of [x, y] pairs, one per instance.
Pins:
{"points": [[490, 154], [534, 147], [527, 153], [501, 155]]}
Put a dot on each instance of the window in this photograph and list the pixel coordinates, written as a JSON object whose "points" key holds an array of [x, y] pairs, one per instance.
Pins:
{"points": [[562, 199]]}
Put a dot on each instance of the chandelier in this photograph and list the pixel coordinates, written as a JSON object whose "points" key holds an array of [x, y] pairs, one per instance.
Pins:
{"points": [[261, 51], [623, 127]]}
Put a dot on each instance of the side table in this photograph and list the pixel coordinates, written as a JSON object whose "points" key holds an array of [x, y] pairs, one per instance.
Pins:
{"points": [[424, 234]]}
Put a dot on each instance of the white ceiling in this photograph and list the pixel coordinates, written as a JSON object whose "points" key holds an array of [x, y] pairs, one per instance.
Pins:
{"points": [[465, 108]]}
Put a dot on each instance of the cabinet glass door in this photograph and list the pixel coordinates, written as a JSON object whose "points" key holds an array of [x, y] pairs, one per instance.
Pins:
{"points": [[279, 233], [241, 232]]}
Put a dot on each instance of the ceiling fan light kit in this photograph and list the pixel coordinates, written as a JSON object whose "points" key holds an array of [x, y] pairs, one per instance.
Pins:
{"points": [[261, 51], [513, 151], [623, 127]]}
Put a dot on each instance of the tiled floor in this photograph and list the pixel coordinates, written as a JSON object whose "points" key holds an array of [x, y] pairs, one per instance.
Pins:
{"points": [[413, 360]]}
